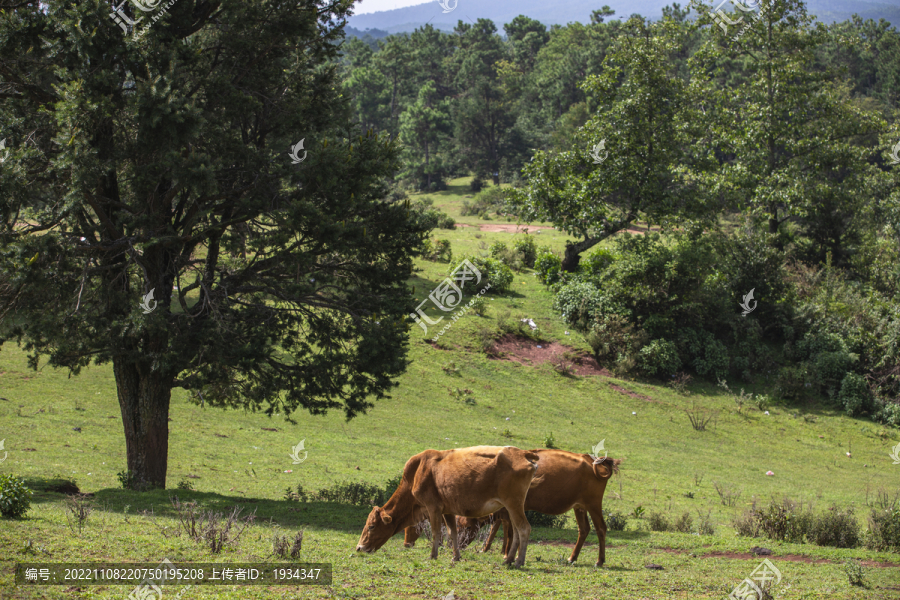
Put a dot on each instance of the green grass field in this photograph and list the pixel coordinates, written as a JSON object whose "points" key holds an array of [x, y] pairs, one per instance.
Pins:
{"points": [[236, 461]]}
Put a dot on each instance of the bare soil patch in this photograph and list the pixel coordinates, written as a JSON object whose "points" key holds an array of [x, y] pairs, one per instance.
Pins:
{"points": [[529, 352]]}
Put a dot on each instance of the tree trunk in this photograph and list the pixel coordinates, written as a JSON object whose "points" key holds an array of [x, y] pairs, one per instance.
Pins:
{"points": [[144, 400], [571, 259]]}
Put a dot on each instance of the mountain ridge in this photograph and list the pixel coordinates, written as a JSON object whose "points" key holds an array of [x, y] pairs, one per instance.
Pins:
{"points": [[561, 12]]}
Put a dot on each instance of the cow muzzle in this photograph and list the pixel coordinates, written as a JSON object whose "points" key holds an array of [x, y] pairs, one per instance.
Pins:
{"points": [[361, 548]]}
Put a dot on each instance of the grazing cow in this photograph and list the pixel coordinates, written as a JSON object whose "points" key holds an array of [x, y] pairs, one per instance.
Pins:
{"points": [[469, 482], [564, 480]]}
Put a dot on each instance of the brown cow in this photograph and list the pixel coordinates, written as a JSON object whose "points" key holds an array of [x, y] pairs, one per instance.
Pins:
{"points": [[469, 482], [564, 480]]}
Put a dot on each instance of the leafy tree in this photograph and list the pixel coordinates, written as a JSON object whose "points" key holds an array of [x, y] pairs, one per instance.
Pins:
{"points": [[646, 125], [422, 126], [792, 138], [135, 159]]}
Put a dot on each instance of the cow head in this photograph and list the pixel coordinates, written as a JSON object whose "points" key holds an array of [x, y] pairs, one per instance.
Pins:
{"points": [[378, 530]]}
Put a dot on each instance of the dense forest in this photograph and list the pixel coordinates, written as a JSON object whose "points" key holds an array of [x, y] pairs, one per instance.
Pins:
{"points": [[762, 147]]}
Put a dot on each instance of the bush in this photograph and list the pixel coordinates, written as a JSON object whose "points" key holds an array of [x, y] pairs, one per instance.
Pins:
{"points": [[492, 271], [659, 356], [616, 342], [684, 523], [835, 528], [884, 529], [528, 249], [492, 199], [784, 521], [596, 262], [477, 184], [438, 250], [658, 522], [854, 395], [14, 497], [548, 266], [888, 413], [615, 521], [479, 305], [791, 381], [538, 519], [855, 573], [510, 257]]}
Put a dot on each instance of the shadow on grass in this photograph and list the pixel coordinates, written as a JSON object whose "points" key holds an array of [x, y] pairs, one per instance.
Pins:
{"points": [[323, 515]]}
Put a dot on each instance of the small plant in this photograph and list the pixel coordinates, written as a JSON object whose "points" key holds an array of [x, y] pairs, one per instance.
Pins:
{"points": [[704, 523], [638, 512], [658, 522], [78, 509], [680, 382], [689, 495], [684, 523], [727, 495], [549, 442], [564, 366], [698, 479], [763, 402], [126, 479], [479, 305], [700, 417], [14, 496], [616, 521], [507, 434], [186, 485], [884, 529], [464, 395], [282, 547], [855, 573], [209, 528], [450, 368]]}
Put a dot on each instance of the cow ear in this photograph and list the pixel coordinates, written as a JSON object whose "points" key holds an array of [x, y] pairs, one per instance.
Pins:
{"points": [[385, 518]]}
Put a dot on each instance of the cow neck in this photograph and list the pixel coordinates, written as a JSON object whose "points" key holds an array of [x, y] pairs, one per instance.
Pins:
{"points": [[402, 507]]}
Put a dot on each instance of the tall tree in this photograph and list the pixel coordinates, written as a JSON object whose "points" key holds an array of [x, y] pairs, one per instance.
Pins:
{"points": [[134, 159], [792, 137], [422, 126], [630, 158]]}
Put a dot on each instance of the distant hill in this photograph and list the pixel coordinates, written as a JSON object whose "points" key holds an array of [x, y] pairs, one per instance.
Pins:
{"points": [[566, 11]]}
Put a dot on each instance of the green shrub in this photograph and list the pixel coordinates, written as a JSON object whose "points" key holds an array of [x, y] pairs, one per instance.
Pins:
{"points": [[548, 266], [488, 200], [510, 257], [596, 262], [684, 523], [658, 522], [792, 381], [528, 249], [659, 356], [477, 184], [497, 248], [615, 521], [538, 519], [855, 573], [884, 529], [493, 271], [854, 395], [835, 528], [785, 521], [479, 305], [14, 497], [888, 413], [831, 369], [616, 342], [438, 250]]}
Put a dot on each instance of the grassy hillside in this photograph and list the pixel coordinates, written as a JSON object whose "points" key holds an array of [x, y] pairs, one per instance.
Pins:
{"points": [[60, 427]]}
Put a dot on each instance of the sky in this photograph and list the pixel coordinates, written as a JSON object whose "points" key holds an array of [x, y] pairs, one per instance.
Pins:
{"points": [[370, 6]]}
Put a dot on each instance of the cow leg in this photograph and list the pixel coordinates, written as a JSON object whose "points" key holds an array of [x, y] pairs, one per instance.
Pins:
{"points": [[494, 527], [600, 526], [521, 532], [454, 535], [584, 528], [508, 534], [436, 519]]}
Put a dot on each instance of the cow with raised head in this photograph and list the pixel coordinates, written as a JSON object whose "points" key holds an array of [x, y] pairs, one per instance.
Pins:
{"points": [[469, 482], [564, 481]]}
